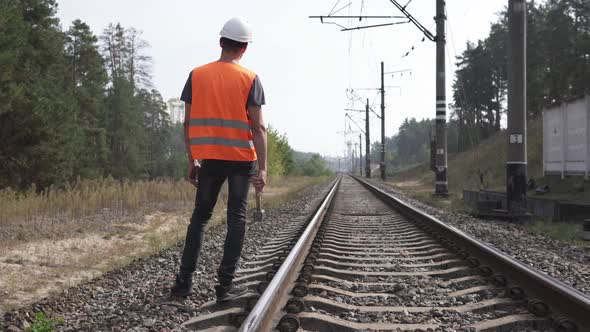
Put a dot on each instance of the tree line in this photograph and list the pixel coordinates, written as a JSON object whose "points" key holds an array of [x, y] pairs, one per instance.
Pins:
{"points": [[77, 105], [283, 160], [558, 67], [411, 144]]}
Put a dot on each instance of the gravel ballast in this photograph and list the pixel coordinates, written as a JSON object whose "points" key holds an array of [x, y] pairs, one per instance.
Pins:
{"points": [[566, 262], [429, 294], [135, 298]]}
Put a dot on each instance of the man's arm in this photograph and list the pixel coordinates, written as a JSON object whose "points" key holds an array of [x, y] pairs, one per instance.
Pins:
{"points": [[187, 119], [260, 145], [192, 166]]}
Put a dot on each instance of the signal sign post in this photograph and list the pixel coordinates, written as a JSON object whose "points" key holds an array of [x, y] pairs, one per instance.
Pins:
{"points": [[367, 143], [382, 165], [441, 184], [516, 165]]}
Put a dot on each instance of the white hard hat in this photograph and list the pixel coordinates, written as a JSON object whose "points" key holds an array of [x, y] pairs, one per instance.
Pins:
{"points": [[238, 29]]}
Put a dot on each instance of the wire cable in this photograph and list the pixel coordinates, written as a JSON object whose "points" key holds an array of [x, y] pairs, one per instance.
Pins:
{"points": [[332, 10], [407, 4]]}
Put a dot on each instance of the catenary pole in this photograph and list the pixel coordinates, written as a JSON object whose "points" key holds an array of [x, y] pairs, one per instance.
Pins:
{"points": [[352, 160], [516, 165], [361, 154], [441, 185], [382, 165], [367, 143]]}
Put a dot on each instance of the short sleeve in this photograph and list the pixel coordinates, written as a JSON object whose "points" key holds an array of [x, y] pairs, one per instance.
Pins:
{"points": [[187, 92], [256, 96]]}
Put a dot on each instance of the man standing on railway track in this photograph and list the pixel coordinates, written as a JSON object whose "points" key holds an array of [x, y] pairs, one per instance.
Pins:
{"points": [[225, 136]]}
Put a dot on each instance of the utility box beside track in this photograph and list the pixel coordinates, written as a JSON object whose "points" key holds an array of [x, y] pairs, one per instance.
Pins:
{"points": [[566, 139]]}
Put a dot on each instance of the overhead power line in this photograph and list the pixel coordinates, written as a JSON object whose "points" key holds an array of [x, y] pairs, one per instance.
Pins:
{"points": [[360, 17], [414, 21], [332, 10], [356, 97], [356, 124], [374, 26]]}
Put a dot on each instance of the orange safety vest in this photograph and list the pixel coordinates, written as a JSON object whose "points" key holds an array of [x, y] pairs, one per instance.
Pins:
{"points": [[219, 125]]}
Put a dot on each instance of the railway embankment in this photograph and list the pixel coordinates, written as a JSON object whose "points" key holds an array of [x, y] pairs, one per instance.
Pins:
{"points": [[96, 270], [484, 168]]}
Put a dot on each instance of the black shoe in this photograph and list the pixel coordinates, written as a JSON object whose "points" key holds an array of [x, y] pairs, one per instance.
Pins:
{"points": [[228, 293], [183, 286]]}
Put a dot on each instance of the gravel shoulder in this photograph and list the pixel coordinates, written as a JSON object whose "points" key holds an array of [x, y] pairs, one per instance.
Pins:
{"points": [[135, 298], [563, 261]]}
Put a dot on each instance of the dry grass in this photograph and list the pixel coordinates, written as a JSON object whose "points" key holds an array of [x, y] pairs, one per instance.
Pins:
{"points": [[59, 245], [88, 197], [282, 189], [90, 206], [34, 269]]}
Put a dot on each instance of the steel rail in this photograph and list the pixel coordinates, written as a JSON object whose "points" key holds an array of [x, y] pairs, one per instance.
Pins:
{"points": [[263, 315], [563, 301]]}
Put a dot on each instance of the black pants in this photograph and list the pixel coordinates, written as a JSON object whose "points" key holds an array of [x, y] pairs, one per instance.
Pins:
{"points": [[212, 175]]}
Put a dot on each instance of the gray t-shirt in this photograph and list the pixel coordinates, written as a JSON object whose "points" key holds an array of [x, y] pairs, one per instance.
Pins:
{"points": [[255, 98]]}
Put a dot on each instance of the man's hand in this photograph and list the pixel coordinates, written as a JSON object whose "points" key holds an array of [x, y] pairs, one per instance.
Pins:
{"points": [[260, 144], [193, 173], [259, 182]]}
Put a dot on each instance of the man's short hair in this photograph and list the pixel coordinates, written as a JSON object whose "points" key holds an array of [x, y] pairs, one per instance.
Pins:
{"points": [[230, 45]]}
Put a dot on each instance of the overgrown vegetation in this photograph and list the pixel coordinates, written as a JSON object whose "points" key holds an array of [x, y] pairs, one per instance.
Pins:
{"points": [[88, 197], [566, 232], [43, 323], [466, 168]]}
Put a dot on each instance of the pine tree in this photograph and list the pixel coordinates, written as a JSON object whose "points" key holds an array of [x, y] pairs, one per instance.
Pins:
{"points": [[123, 51], [580, 12], [158, 132], [126, 135], [36, 114], [86, 80]]}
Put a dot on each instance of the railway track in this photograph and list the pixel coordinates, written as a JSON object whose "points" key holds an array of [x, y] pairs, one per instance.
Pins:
{"points": [[368, 261]]}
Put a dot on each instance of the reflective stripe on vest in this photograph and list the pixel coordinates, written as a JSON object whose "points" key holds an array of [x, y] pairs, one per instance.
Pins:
{"points": [[220, 123], [222, 141], [219, 127]]}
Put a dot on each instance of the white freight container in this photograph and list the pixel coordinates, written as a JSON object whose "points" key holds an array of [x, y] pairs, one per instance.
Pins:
{"points": [[566, 139]]}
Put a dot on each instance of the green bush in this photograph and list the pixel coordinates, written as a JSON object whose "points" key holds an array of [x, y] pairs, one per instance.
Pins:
{"points": [[283, 160], [280, 154], [44, 324]]}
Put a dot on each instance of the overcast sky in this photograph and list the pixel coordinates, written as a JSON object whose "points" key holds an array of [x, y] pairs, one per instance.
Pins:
{"points": [[305, 66]]}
